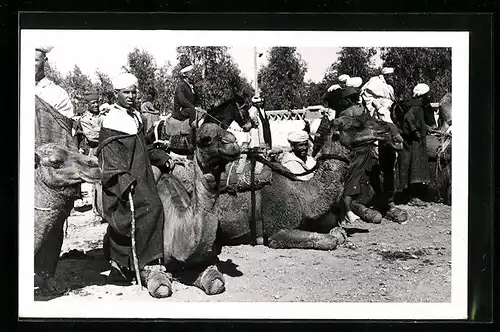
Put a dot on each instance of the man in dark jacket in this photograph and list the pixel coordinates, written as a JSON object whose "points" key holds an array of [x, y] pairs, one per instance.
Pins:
{"points": [[414, 173], [185, 97]]}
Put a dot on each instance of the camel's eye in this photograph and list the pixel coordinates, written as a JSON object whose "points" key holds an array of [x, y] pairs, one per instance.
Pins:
{"points": [[56, 160]]}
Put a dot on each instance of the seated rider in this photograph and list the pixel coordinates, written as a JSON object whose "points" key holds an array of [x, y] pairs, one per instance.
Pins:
{"points": [[298, 161]]}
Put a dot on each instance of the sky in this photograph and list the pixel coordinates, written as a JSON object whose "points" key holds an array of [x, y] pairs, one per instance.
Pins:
{"points": [[107, 51]]}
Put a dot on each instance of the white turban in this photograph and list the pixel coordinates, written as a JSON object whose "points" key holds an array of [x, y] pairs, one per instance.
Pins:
{"points": [[186, 69], [387, 70], [420, 89], [44, 48], [334, 87], [298, 136], [256, 99], [354, 82], [343, 77], [124, 80]]}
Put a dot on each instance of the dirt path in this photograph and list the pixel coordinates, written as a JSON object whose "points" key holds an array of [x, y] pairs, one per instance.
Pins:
{"points": [[379, 263]]}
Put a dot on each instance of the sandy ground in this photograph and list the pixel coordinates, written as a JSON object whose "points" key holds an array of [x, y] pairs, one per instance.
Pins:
{"points": [[379, 263]]}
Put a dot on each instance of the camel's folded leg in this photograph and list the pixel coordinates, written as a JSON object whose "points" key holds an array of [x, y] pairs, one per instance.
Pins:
{"points": [[366, 214], [299, 239], [211, 281]]}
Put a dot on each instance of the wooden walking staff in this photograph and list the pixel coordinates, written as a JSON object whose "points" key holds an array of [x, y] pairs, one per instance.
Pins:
{"points": [[253, 222], [132, 235]]}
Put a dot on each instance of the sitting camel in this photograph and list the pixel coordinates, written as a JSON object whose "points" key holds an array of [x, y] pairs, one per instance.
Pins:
{"points": [[295, 214], [59, 171], [191, 220]]}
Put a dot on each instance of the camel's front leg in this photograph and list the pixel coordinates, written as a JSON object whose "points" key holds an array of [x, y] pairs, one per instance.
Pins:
{"points": [[299, 239], [211, 281]]}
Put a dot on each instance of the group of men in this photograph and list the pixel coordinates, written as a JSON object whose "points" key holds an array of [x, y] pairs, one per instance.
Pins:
{"points": [[376, 97]]}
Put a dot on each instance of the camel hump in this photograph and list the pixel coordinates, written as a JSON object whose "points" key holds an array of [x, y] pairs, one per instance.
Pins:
{"points": [[171, 189]]}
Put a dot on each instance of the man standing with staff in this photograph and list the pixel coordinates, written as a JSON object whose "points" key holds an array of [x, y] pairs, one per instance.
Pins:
{"points": [[126, 169]]}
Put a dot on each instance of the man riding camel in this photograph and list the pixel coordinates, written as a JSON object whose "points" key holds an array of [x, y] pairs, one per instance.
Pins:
{"points": [[379, 88], [184, 113]]}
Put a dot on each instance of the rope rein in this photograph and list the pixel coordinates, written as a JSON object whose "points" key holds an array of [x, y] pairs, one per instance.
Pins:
{"points": [[292, 176]]}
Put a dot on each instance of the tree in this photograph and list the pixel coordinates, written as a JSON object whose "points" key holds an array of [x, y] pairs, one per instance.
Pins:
{"points": [[282, 80], [355, 62], [104, 87], [419, 65], [78, 84], [165, 86], [216, 74], [143, 65]]}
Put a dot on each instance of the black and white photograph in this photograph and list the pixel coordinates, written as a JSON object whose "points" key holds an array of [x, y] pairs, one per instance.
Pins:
{"points": [[243, 174]]}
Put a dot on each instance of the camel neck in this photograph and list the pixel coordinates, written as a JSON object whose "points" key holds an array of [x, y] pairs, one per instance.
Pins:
{"points": [[206, 188], [324, 187]]}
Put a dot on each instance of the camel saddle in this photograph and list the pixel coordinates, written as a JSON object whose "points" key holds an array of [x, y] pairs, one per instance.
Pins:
{"points": [[235, 179], [177, 132], [238, 176]]}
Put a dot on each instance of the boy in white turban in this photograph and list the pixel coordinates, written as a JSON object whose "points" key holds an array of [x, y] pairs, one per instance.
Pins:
{"points": [[298, 161]]}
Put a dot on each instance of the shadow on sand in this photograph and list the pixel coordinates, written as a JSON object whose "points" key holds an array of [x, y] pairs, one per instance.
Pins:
{"points": [[77, 270]]}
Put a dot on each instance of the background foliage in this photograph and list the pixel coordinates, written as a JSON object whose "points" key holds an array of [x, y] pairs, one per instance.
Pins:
{"points": [[281, 81]]}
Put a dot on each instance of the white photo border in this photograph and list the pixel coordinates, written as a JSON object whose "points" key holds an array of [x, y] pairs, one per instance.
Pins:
{"points": [[112, 308]]}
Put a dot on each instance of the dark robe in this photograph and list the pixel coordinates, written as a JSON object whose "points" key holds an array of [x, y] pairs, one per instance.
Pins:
{"points": [[124, 161], [185, 100], [413, 163], [321, 134], [363, 166], [266, 128]]}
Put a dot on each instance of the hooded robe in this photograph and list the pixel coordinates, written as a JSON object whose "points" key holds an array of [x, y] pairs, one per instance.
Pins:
{"points": [[413, 163], [124, 160]]}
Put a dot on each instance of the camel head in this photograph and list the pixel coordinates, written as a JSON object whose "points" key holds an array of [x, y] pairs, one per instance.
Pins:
{"points": [[357, 130], [216, 147], [60, 167]]}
